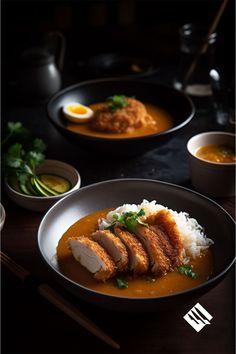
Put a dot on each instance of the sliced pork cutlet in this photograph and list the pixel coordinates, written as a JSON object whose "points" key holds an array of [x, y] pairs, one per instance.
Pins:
{"points": [[165, 244], [113, 246], [93, 257], [138, 258], [164, 225], [160, 262]]}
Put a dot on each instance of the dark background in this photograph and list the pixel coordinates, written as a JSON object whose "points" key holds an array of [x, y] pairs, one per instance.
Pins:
{"points": [[144, 27]]}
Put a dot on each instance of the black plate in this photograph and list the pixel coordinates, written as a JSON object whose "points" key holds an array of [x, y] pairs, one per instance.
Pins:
{"points": [[218, 225], [171, 100]]}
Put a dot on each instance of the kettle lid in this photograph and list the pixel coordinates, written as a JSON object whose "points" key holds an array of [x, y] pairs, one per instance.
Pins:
{"points": [[37, 56]]}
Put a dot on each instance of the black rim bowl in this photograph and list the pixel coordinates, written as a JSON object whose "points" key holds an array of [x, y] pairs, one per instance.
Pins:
{"points": [[217, 222], [174, 102], [118, 64]]}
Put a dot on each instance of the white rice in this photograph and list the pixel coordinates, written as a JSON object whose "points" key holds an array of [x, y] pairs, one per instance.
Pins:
{"points": [[193, 237]]}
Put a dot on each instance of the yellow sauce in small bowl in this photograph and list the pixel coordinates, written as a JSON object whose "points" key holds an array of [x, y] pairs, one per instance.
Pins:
{"points": [[216, 153]]}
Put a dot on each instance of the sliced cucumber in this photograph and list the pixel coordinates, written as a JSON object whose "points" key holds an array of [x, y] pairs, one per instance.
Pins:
{"points": [[38, 189], [31, 188], [19, 187], [56, 183], [44, 185], [50, 191], [24, 189]]}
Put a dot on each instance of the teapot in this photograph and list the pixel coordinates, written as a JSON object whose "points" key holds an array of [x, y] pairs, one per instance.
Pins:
{"points": [[41, 66]]}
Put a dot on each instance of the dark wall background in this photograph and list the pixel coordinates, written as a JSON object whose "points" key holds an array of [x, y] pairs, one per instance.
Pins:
{"points": [[93, 27]]}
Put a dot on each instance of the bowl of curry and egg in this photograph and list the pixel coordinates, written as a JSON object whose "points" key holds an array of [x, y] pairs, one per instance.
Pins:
{"points": [[137, 245], [119, 116]]}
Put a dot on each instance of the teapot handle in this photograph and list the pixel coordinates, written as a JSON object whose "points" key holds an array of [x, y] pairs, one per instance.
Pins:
{"points": [[61, 48]]}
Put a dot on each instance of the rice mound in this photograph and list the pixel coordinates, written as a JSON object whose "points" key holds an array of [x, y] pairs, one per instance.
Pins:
{"points": [[193, 237]]}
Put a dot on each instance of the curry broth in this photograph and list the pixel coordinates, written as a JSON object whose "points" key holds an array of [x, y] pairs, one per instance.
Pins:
{"points": [[164, 122], [142, 286], [216, 153]]}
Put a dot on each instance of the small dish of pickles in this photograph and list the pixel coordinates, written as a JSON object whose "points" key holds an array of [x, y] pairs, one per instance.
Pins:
{"points": [[52, 181], [212, 163], [32, 181]]}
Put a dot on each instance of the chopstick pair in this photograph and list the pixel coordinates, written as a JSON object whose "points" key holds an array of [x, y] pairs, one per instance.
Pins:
{"points": [[56, 299]]}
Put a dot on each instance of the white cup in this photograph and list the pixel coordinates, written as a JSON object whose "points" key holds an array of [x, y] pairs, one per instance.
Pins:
{"points": [[212, 178]]}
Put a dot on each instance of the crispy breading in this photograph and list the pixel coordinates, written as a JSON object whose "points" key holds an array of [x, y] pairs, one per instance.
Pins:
{"points": [[166, 228], [123, 120], [113, 246], [159, 261], [93, 257], [138, 258]]}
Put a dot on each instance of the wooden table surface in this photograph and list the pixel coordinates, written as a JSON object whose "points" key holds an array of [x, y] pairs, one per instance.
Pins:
{"points": [[32, 325]]}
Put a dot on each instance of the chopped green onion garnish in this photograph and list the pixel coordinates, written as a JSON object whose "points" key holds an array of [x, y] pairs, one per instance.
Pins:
{"points": [[187, 270], [121, 283]]}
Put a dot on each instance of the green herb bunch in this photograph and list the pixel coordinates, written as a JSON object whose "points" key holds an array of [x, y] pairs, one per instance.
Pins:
{"points": [[22, 154]]}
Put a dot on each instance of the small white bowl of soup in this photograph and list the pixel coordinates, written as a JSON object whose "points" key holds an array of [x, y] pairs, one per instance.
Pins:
{"points": [[212, 163]]}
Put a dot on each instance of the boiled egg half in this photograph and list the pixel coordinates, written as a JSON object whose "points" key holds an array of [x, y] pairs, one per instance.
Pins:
{"points": [[77, 112]]}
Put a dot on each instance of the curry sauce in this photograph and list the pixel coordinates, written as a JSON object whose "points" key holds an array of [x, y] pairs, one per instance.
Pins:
{"points": [[216, 153], [139, 286], [163, 119]]}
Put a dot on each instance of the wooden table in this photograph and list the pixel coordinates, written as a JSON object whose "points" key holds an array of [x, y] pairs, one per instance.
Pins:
{"points": [[32, 325]]}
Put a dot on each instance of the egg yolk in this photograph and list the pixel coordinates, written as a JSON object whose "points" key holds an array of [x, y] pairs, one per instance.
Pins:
{"points": [[77, 109]]}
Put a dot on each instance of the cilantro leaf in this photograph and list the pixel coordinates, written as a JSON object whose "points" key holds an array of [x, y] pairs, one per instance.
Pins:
{"points": [[117, 102], [14, 126], [39, 145], [16, 132], [130, 219]]}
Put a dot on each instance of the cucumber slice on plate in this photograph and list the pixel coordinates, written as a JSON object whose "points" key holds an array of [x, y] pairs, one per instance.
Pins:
{"points": [[56, 183]]}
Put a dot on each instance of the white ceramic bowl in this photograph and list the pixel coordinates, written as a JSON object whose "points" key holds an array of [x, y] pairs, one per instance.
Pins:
{"points": [[43, 203], [212, 178]]}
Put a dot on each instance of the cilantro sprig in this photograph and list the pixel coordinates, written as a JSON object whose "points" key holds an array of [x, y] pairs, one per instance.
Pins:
{"points": [[117, 102], [130, 219], [24, 154], [16, 132]]}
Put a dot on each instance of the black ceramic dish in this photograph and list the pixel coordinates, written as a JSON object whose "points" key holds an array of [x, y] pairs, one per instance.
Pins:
{"points": [[116, 64], [173, 101], [217, 223]]}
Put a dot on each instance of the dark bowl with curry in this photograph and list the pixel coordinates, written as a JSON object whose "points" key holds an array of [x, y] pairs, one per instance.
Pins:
{"points": [[130, 117], [151, 280]]}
